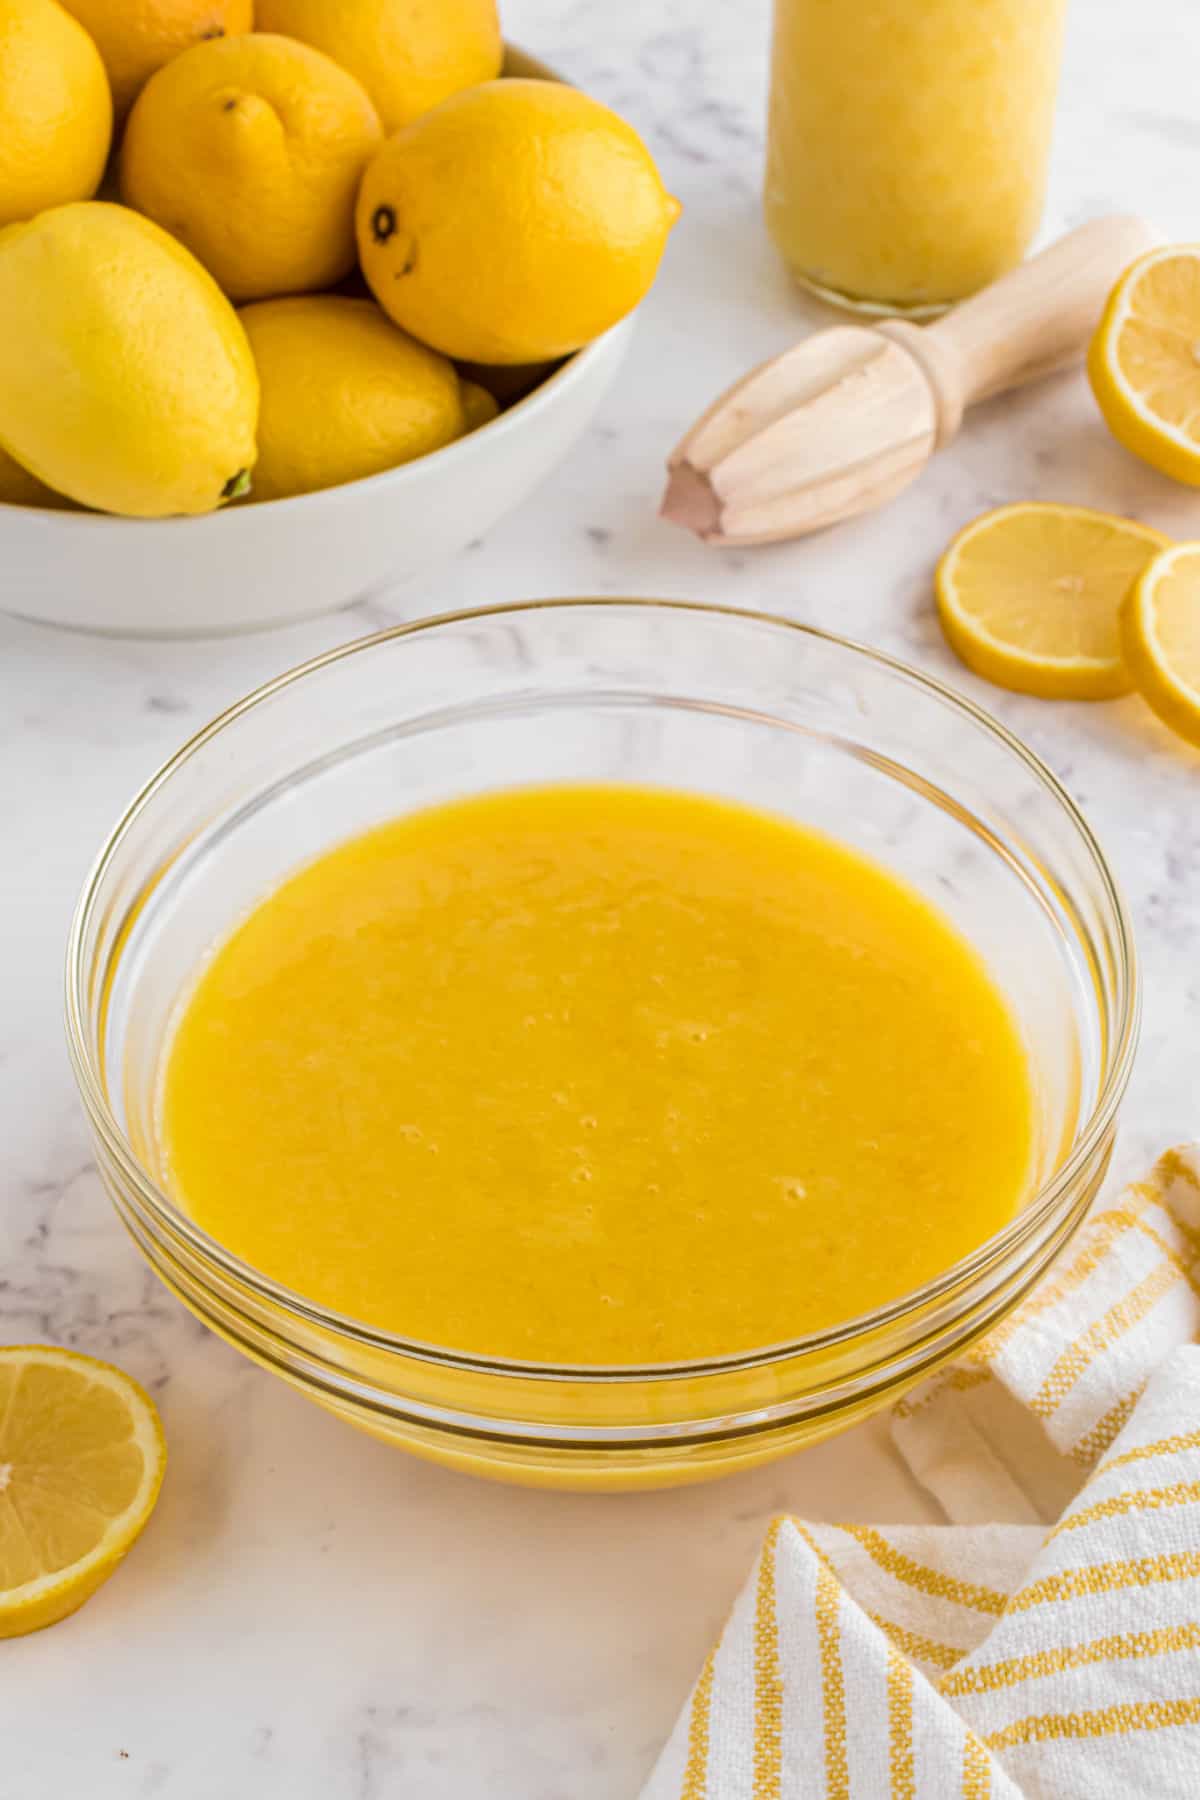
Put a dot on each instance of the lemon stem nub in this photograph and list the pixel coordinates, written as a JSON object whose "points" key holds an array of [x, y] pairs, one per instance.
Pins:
{"points": [[237, 485], [383, 223]]}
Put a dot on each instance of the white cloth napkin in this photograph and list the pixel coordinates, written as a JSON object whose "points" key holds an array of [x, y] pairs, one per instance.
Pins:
{"points": [[977, 1658]]}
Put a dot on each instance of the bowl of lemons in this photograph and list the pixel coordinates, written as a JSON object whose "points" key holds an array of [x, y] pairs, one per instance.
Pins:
{"points": [[292, 304]]}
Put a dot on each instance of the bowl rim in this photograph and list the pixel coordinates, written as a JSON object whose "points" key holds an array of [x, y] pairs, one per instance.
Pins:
{"points": [[1053, 1193]]}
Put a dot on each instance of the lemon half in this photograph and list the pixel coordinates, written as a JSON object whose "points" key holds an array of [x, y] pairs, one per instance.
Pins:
{"points": [[1029, 597], [1144, 361], [82, 1457], [1160, 635]]}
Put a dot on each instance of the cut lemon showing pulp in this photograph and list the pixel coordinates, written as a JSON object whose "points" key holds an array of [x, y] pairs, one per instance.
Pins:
{"points": [[1160, 635], [81, 1462], [1029, 597], [1144, 361]]}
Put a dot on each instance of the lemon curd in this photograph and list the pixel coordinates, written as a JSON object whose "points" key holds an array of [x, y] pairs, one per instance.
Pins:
{"points": [[908, 142], [596, 1074]]}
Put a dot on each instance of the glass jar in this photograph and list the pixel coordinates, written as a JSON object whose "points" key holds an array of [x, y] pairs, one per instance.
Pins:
{"points": [[908, 142]]}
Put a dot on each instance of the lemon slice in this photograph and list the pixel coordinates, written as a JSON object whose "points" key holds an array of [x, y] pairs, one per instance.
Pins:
{"points": [[81, 1462], [1144, 361], [1029, 597], [1160, 635]]}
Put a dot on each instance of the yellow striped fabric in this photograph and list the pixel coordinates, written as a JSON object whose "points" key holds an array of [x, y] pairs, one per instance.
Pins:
{"points": [[1047, 1640]]}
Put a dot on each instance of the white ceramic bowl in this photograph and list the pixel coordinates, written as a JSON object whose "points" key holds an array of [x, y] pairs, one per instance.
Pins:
{"points": [[251, 566], [258, 565]]}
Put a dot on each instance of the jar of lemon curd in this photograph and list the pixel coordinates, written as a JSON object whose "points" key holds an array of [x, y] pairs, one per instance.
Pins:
{"points": [[908, 142]]}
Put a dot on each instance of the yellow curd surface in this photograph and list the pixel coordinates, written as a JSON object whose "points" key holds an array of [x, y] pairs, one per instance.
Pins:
{"points": [[596, 1074], [908, 141]]}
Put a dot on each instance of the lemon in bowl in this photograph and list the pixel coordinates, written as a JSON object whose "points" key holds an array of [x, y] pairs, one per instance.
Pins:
{"points": [[126, 381], [249, 149], [276, 557], [408, 55], [136, 37], [515, 222], [56, 107], [344, 394]]}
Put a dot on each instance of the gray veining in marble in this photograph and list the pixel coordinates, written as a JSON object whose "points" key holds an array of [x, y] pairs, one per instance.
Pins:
{"points": [[311, 1615]]}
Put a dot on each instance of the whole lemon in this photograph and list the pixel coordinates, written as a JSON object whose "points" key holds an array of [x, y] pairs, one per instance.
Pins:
{"points": [[507, 382], [55, 109], [344, 394], [135, 37], [126, 381], [480, 406], [19, 488], [408, 54], [513, 223], [249, 150]]}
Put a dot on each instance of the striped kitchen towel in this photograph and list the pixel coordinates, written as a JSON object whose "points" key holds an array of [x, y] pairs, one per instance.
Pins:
{"points": [[1047, 1641]]}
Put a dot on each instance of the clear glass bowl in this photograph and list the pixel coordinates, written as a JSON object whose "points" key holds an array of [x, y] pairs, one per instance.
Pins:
{"points": [[730, 703]]}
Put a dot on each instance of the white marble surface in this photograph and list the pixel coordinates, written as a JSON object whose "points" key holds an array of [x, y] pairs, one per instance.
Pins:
{"points": [[309, 1613]]}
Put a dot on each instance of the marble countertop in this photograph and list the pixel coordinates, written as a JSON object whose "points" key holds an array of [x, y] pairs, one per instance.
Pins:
{"points": [[311, 1614]]}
